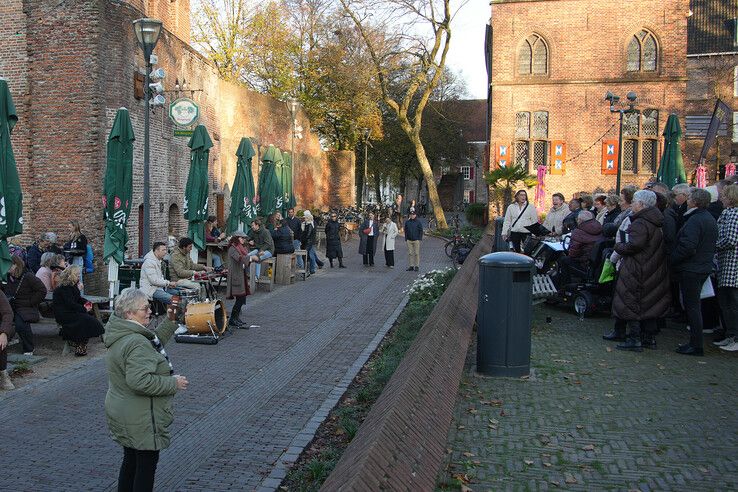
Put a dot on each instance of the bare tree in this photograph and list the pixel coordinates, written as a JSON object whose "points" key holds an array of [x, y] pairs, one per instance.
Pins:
{"points": [[408, 41]]}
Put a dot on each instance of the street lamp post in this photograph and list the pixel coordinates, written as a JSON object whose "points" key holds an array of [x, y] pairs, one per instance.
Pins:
{"points": [[365, 192], [293, 105], [613, 99], [147, 32]]}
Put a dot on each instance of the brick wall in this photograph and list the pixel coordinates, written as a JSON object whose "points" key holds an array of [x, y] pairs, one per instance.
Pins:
{"points": [[587, 43], [71, 66], [341, 179]]}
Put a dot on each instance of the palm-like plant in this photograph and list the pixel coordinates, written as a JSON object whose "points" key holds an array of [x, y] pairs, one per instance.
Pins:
{"points": [[503, 180]]}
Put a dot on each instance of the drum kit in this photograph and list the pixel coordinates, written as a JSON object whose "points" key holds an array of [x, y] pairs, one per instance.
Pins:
{"points": [[205, 319]]}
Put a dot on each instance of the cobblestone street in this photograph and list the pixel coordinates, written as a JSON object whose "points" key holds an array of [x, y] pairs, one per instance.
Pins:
{"points": [[254, 399], [593, 418]]}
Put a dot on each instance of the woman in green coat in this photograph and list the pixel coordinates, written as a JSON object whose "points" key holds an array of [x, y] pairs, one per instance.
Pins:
{"points": [[142, 382]]}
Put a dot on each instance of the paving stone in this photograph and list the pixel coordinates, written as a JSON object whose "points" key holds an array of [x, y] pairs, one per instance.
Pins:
{"points": [[257, 396]]}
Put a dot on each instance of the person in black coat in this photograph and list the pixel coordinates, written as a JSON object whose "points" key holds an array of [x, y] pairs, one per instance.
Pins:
{"points": [[691, 261], [282, 237], [570, 221], [333, 247], [368, 233], [45, 244], [25, 292], [308, 240], [72, 312]]}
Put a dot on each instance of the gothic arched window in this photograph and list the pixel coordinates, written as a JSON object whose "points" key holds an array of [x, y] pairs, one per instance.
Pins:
{"points": [[533, 56], [643, 52]]}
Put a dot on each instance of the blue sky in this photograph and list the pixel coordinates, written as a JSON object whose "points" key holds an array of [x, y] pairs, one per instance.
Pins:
{"points": [[466, 54]]}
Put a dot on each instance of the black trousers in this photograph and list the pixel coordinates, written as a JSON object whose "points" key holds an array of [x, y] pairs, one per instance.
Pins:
{"points": [[23, 329], [728, 300], [389, 257], [690, 285], [518, 238], [647, 327], [236, 311], [138, 470], [369, 254]]}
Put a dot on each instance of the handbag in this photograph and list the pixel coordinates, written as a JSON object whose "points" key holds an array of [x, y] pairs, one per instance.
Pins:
{"points": [[608, 272]]}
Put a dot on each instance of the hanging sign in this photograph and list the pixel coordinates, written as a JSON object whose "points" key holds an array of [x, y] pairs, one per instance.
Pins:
{"points": [[609, 157], [558, 157], [184, 112]]}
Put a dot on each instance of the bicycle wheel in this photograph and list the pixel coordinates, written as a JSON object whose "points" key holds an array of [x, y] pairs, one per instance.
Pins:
{"points": [[432, 225], [451, 247]]}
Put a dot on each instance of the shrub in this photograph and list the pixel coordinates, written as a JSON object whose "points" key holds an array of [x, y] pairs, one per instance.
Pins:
{"points": [[475, 213]]}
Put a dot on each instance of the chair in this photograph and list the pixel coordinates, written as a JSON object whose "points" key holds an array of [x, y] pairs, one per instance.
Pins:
{"points": [[266, 277], [303, 272]]}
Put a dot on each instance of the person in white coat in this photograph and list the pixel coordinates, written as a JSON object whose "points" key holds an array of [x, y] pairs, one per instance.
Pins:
{"points": [[152, 281], [390, 232], [519, 214]]}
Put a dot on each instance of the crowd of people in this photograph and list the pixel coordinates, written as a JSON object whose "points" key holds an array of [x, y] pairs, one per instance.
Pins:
{"points": [[675, 256]]}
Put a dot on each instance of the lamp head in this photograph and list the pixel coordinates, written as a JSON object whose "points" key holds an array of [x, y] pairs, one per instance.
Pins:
{"points": [[632, 96], [612, 98], [147, 32], [293, 104]]}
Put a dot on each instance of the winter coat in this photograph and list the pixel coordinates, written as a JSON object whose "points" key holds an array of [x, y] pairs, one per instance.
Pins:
{"points": [[152, 276], [138, 405], [389, 232], [695, 243], [282, 237], [69, 311], [715, 208], [583, 240], [238, 264], [670, 229], [333, 247], [363, 238], [570, 221], [181, 266], [307, 235], [6, 317], [33, 257], [414, 230], [555, 219], [75, 248], [727, 248], [296, 226], [611, 215], [26, 293], [529, 217], [642, 290], [262, 239]]}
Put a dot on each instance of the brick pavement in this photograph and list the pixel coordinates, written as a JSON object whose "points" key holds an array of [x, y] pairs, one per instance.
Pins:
{"points": [[594, 418], [251, 397]]}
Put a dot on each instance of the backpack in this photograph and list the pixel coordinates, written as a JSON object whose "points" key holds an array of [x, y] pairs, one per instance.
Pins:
{"points": [[89, 258]]}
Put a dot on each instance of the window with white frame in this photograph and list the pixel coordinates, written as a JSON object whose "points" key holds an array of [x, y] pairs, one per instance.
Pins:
{"points": [[465, 171], [467, 196], [531, 139]]}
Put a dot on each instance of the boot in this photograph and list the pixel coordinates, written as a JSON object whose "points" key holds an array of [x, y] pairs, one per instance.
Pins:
{"points": [[631, 344], [331, 261], [340, 263], [614, 336], [5, 382], [648, 340]]}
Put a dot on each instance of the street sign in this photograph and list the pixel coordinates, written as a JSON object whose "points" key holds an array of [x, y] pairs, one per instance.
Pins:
{"points": [[184, 112], [183, 133]]}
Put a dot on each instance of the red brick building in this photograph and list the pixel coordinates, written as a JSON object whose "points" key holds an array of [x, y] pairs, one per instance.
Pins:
{"points": [[70, 65], [553, 61]]}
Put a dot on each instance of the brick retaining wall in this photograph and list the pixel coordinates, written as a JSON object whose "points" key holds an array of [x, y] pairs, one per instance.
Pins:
{"points": [[401, 444]]}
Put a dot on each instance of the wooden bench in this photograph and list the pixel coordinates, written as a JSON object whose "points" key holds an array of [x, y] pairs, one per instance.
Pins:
{"points": [[303, 272], [285, 269], [266, 277], [543, 288]]}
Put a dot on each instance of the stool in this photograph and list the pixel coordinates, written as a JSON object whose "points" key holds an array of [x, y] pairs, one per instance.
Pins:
{"points": [[285, 269], [266, 277], [302, 271]]}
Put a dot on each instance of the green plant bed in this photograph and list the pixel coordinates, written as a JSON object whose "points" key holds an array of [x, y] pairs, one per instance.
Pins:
{"points": [[333, 436], [472, 231], [475, 213]]}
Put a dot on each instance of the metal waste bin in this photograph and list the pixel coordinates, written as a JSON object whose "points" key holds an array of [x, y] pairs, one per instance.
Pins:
{"points": [[500, 245], [504, 314]]}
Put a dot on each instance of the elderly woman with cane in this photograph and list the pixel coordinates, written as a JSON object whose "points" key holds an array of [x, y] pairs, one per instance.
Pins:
{"points": [[142, 382]]}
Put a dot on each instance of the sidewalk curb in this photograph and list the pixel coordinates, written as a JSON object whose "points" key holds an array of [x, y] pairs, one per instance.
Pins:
{"points": [[307, 433]]}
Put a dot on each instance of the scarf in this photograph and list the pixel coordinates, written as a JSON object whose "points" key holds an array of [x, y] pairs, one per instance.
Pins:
{"points": [[241, 250], [156, 343]]}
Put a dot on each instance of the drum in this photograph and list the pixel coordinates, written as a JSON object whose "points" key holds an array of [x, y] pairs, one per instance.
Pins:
{"points": [[201, 316], [189, 296]]}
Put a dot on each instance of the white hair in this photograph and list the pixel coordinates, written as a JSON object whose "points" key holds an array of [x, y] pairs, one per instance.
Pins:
{"points": [[584, 216], [129, 301], [646, 197]]}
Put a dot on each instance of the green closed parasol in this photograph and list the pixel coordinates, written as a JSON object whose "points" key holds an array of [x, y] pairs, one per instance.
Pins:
{"points": [[243, 205], [671, 168], [196, 191], [287, 187], [270, 191], [11, 196], [118, 186]]}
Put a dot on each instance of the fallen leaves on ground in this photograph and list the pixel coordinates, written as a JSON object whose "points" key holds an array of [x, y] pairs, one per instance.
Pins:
{"points": [[588, 447], [467, 454], [570, 479], [528, 462]]}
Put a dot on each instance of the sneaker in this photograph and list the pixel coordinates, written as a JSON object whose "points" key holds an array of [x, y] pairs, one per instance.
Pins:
{"points": [[181, 330], [705, 331], [28, 354], [417, 269], [410, 269], [733, 347], [724, 342]]}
